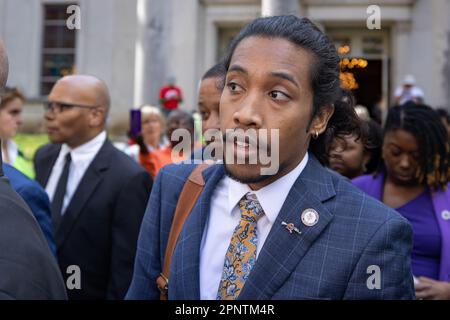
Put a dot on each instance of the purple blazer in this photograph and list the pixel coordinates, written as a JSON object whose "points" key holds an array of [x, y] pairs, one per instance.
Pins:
{"points": [[373, 186]]}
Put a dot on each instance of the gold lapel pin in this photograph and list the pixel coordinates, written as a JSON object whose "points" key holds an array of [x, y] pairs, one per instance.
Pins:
{"points": [[291, 227]]}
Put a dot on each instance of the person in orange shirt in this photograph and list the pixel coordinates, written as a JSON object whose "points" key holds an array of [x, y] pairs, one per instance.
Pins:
{"points": [[152, 133], [155, 160]]}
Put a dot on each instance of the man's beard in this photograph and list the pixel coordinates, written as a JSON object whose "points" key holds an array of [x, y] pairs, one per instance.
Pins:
{"points": [[249, 179]]}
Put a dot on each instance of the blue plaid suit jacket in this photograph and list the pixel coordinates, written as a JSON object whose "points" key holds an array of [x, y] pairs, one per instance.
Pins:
{"points": [[334, 259]]}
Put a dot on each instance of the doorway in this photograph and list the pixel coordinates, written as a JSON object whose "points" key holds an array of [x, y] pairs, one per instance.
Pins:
{"points": [[370, 91]]}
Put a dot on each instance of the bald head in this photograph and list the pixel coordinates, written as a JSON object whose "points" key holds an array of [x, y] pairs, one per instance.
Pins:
{"points": [[3, 66], [86, 118], [86, 87]]}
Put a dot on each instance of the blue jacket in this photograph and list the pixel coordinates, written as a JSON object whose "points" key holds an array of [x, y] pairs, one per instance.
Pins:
{"points": [[356, 242], [36, 198]]}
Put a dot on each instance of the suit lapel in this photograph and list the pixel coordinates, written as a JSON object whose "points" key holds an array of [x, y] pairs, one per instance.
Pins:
{"points": [[46, 165], [86, 188], [282, 250], [187, 257], [48, 161]]}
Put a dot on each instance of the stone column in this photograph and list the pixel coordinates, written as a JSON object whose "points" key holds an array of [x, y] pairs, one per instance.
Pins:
{"points": [[446, 67], [152, 48], [400, 64], [280, 7], [446, 73], [183, 50]]}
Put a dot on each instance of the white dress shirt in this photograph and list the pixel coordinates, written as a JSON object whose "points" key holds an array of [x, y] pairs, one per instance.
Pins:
{"points": [[13, 151], [225, 216], [82, 157]]}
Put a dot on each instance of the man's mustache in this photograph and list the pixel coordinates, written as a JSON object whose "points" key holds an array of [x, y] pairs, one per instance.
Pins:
{"points": [[253, 140]]}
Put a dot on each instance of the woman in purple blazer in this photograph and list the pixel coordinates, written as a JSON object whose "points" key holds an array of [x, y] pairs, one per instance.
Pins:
{"points": [[414, 180]]}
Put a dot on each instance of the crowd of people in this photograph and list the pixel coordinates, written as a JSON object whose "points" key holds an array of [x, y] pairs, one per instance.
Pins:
{"points": [[350, 192]]}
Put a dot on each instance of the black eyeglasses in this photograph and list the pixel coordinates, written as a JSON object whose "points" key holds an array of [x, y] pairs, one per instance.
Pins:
{"points": [[59, 107]]}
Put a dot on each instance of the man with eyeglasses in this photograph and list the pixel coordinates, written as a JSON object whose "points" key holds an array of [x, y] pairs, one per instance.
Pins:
{"points": [[28, 270], [98, 194]]}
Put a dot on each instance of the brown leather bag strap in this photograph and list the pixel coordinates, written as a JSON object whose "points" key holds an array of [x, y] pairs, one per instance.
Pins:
{"points": [[188, 198]]}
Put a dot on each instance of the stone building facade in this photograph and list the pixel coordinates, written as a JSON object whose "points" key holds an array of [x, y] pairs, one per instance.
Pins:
{"points": [[135, 45]]}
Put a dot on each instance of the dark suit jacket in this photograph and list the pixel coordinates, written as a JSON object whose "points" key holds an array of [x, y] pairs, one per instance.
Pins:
{"points": [[99, 229], [335, 259], [36, 198], [28, 270]]}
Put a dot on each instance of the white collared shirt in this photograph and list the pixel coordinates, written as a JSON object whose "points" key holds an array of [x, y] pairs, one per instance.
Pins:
{"points": [[225, 216], [13, 151], [82, 157]]}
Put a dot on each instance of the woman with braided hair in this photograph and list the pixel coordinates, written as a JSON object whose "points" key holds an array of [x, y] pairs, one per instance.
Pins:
{"points": [[414, 180]]}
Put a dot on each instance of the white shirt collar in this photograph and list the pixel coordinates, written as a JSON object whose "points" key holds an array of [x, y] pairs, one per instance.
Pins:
{"points": [[88, 149], [272, 196], [13, 151]]}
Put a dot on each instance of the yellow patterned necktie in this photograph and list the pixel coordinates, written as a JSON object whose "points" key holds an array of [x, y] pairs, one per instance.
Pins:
{"points": [[241, 254]]}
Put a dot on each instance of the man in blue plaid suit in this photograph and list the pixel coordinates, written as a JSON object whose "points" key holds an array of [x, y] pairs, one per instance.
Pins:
{"points": [[318, 237]]}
